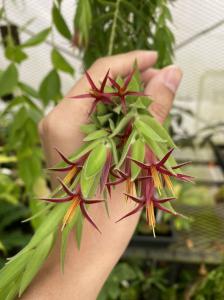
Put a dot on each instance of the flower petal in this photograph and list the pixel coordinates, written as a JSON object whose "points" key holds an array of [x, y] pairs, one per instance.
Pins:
{"points": [[85, 214]]}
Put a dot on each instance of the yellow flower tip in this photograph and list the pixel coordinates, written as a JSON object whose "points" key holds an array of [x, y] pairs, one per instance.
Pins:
{"points": [[156, 179], [70, 212], [153, 231], [130, 188], [150, 215], [70, 175], [169, 183]]}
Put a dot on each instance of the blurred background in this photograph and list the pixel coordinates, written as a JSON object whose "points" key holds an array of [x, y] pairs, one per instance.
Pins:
{"points": [[44, 47]]}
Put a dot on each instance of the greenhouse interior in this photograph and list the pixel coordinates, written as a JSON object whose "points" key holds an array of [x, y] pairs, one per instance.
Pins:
{"points": [[56, 146]]}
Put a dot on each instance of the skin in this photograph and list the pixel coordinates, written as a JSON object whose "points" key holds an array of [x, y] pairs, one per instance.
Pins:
{"points": [[86, 270]]}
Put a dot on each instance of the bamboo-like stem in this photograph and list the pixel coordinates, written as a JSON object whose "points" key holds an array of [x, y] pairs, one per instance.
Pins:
{"points": [[113, 29]]}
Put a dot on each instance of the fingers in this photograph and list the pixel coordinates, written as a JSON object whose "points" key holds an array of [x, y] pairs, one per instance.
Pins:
{"points": [[122, 64], [162, 89], [148, 74]]}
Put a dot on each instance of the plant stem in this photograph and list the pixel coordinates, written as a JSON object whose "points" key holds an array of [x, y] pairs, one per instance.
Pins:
{"points": [[113, 29]]}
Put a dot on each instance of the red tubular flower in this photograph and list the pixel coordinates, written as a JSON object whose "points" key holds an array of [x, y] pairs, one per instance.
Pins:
{"points": [[122, 91], [77, 200], [72, 167], [123, 177], [158, 170], [150, 202], [96, 93]]}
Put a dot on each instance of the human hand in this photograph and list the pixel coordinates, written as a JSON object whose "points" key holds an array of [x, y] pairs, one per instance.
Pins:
{"points": [[87, 269]]}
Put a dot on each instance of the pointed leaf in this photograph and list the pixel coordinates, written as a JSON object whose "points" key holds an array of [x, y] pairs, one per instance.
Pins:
{"points": [[10, 271], [84, 149], [148, 131], [95, 135], [8, 80], [79, 228], [39, 255], [50, 87], [95, 160], [158, 128], [60, 23], [127, 145], [37, 39], [60, 63], [86, 184], [138, 153], [64, 238], [88, 128], [121, 125]]}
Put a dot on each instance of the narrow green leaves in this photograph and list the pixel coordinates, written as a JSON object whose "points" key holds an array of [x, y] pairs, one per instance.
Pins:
{"points": [[92, 166], [60, 63], [147, 131], [8, 80], [39, 38], [34, 264], [86, 184], [49, 225], [64, 239], [83, 21], [121, 125], [50, 87], [137, 153], [13, 268], [95, 135], [60, 23], [126, 147], [158, 128], [95, 160]]}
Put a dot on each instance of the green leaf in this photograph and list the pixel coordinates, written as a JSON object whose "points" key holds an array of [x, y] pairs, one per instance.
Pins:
{"points": [[8, 80], [86, 184], [121, 125], [60, 63], [95, 135], [83, 21], [34, 264], [79, 228], [137, 153], [13, 268], [84, 149], [114, 150], [126, 148], [103, 119], [39, 38], [95, 160], [64, 238], [28, 90], [60, 23], [50, 87], [158, 128], [147, 131], [13, 290], [15, 53], [88, 128], [49, 225]]}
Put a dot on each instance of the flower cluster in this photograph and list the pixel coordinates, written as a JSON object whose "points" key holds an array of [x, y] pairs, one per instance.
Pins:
{"points": [[122, 145]]}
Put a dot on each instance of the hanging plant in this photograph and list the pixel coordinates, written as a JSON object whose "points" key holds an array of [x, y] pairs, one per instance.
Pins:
{"points": [[123, 143]]}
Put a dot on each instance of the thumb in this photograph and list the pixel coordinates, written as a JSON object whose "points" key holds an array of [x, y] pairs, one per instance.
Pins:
{"points": [[162, 89]]}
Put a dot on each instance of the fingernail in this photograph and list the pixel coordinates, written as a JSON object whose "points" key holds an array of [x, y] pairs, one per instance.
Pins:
{"points": [[172, 78]]}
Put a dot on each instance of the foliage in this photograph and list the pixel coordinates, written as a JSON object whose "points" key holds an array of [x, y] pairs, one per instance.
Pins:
{"points": [[23, 105], [211, 287], [124, 26]]}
